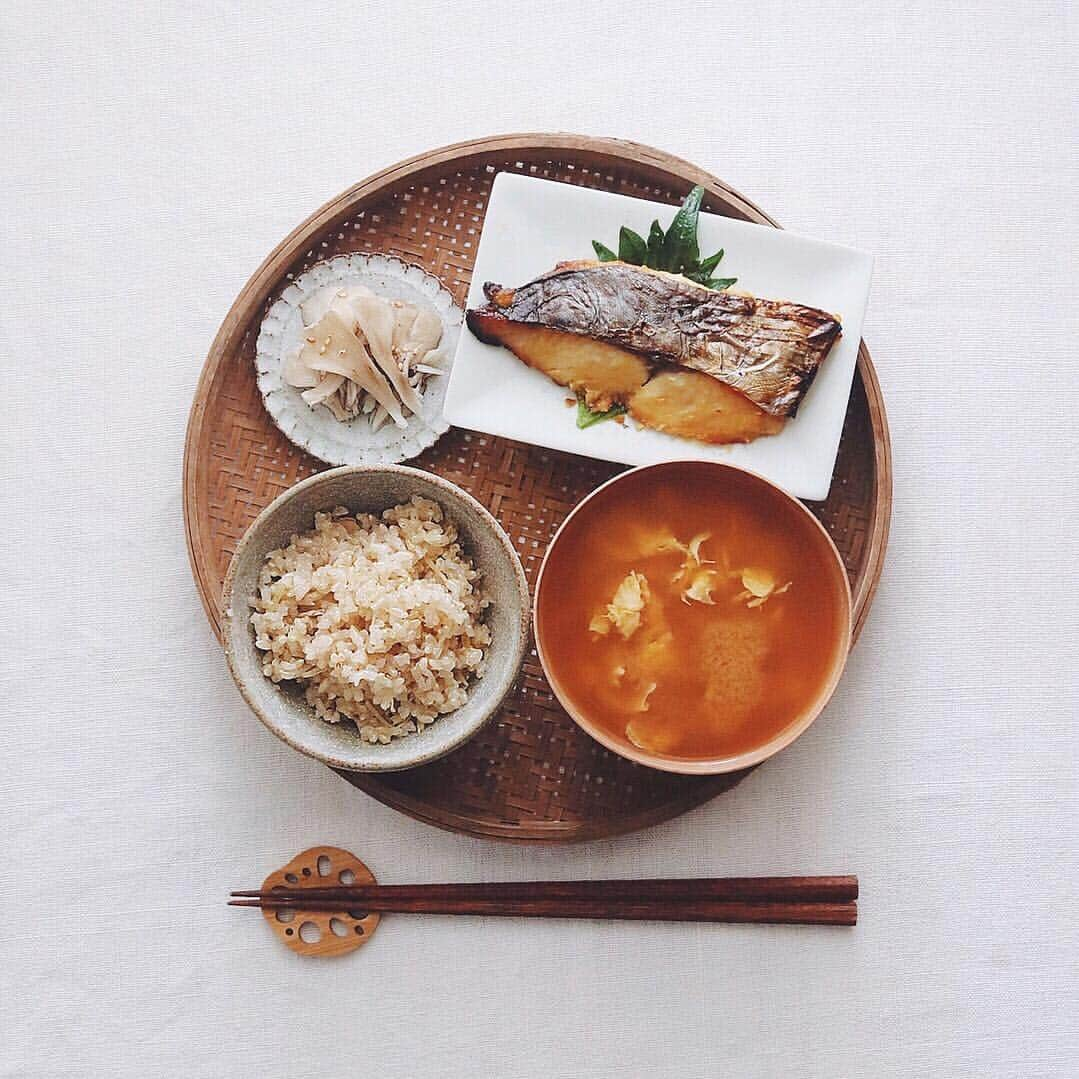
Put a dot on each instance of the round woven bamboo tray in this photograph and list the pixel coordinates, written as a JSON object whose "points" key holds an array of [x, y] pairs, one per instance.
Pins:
{"points": [[532, 775]]}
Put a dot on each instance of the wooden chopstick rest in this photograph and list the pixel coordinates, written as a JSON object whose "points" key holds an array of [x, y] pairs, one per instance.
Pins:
{"points": [[320, 933]]}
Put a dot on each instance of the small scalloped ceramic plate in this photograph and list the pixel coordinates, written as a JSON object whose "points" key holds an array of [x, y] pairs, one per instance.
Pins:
{"points": [[353, 442]]}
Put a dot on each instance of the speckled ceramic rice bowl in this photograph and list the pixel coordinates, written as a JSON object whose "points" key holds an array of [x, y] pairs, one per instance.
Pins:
{"points": [[371, 490]]}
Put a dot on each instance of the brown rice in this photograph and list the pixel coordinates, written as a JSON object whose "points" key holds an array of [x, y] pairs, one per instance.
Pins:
{"points": [[379, 618]]}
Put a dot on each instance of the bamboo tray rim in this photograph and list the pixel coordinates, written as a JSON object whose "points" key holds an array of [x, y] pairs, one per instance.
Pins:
{"points": [[472, 152]]}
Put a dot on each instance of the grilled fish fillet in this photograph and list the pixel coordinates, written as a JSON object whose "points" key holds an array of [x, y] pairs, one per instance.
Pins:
{"points": [[687, 403], [768, 351], [603, 374]]}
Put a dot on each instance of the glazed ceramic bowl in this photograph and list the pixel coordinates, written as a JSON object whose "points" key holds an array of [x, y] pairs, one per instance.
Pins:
{"points": [[371, 490], [688, 475]]}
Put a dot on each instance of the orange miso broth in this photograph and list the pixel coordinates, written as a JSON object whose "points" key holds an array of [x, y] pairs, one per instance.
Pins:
{"points": [[691, 611]]}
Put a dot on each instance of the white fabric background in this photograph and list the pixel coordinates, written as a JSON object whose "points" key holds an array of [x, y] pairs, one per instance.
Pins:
{"points": [[152, 154]]}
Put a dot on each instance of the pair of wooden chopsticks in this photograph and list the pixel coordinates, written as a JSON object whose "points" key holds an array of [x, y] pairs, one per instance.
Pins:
{"points": [[772, 900]]}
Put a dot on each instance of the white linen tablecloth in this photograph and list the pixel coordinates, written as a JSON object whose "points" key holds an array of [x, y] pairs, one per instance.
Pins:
{"points": [[152, 155]]}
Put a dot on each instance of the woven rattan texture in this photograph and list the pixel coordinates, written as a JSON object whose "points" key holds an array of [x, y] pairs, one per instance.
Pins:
{"points": [[531, 774]]}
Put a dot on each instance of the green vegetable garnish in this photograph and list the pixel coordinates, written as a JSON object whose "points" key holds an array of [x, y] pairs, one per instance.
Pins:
{"points": [[709, 264], [586, 417], [680, 250], [654, 255], [675, 250], [631, 248]]}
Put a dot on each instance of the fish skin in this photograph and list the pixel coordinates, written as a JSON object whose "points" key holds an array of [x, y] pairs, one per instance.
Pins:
{"points": [[769, 350]]}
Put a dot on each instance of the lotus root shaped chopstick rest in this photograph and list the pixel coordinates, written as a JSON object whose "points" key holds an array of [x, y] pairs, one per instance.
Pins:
{"points": [[319, 933]]}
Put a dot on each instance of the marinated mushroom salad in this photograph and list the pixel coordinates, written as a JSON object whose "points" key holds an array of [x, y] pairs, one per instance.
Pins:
{"points": [[364, 355]]}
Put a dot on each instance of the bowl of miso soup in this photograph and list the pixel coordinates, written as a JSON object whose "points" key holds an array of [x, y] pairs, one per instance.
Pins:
{"points": [[692, 617]]}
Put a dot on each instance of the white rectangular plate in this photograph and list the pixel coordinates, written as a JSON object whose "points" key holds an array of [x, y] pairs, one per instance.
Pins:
{"points": [[532, 224]]}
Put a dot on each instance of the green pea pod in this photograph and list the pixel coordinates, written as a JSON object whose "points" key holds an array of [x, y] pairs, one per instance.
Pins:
{"points": [[604, 254]]}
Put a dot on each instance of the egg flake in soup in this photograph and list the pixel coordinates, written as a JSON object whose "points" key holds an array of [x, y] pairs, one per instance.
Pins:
{"points": [[624, 610]]}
